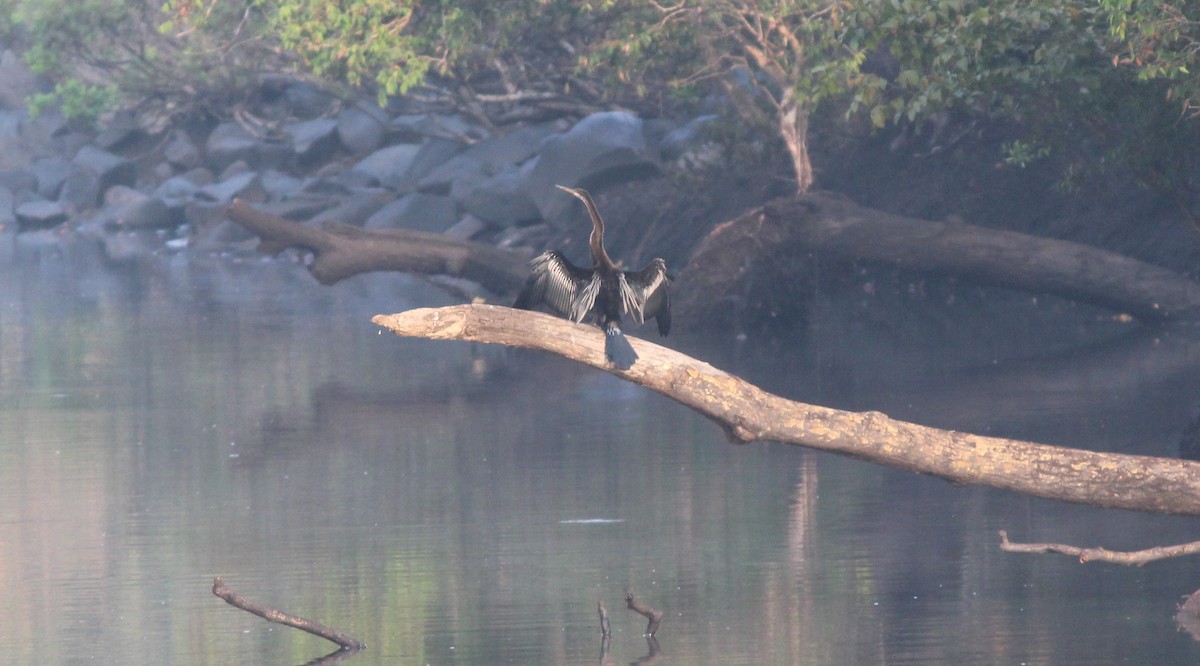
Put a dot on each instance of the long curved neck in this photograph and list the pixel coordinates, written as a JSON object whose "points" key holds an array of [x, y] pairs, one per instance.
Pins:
{"points": [[596, 241]]}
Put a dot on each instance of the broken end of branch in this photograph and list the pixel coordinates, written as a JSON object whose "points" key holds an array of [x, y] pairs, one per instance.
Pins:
{"points": [[434, 323]]}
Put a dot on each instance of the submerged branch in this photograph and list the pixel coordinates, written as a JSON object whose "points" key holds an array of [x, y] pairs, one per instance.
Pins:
{"points": [[747, 413], [341, 251], [1100, 554], [653, 617], [236, 600]]}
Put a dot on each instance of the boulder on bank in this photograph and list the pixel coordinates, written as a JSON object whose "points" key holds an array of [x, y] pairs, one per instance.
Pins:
{"points": [[601, 150]]}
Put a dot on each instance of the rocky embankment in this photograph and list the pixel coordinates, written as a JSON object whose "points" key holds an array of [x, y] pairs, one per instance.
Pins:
{"points": [[306, 156]]}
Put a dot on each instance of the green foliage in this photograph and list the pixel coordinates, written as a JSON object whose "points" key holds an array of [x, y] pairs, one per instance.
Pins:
{"points": [[1021, 153], [1078, 77], [350, 41], [79, 101], [1158, 41], [974, 55]]}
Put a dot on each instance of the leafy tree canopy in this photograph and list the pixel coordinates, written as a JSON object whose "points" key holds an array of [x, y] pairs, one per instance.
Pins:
{"points": [[1112, 78]]}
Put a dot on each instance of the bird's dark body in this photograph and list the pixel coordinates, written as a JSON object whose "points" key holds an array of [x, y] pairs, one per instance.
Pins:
{"points": [[604, 291]]}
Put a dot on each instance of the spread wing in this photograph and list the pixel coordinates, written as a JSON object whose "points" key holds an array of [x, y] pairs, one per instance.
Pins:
{"points": [[564, 287], [646, 294]]}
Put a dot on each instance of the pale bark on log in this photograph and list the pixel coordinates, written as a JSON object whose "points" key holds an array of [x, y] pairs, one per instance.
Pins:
{"points": [[341, 251], [747, 413], [830, 227]]}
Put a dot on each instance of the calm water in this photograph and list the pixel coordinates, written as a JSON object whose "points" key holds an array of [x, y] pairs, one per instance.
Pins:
{"points": [[458, 504]]}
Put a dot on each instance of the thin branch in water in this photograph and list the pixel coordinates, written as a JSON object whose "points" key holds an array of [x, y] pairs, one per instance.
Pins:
{"points": [[654, 616], [1100, 554], [346, 641], [605, 629]]}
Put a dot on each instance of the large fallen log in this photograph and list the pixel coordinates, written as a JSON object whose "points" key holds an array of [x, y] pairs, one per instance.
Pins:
{"points": [[828, 226], [341, 251], [747, 413]]}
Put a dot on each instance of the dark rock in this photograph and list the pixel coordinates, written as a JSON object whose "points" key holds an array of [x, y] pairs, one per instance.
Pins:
{"points": [[344, 182], [500, 201], [18, 179], [181, 152], [602, 150], [684, 139], [8, 220], [459, 168], [51, 173], [40, 214], [121, 195], [424, 212], [19, 81], [236, 169], [466, 228], [176, 188], [247, 186], [279, 185], [514, 147], [221, 234], [13, 151], [388, 165], [228, 143], [361, 128], [204, 215], [433, 153], [296, 210], [81, 191], [120, 133], [305, 100], [414, 127], [200, 176], [313, 141], [144, 213], [109, 169], [355, 210]]}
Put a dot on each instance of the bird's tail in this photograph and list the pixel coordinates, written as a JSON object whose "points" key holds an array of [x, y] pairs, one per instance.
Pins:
{"points": [[617, 347]]}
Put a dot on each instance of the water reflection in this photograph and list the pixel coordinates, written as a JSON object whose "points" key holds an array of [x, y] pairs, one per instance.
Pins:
{"points": [[458, 504]]}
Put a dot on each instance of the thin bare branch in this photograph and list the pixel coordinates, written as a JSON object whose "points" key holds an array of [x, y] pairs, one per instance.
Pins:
{"points": [[1101, 554], [236, 600]]}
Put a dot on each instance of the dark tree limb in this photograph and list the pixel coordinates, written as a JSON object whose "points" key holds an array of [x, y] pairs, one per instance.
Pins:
{"points": [[828, 226], [653, 617], [1100, 554], [236, 600], [341, 251], [747, 413]]}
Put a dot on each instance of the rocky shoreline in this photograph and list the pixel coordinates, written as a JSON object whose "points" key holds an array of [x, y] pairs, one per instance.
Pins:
{"points": [[306, 156]]}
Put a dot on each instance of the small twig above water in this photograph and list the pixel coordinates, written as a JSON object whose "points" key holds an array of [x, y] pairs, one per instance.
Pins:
{"points": [[236, 600], [1100, 554]]}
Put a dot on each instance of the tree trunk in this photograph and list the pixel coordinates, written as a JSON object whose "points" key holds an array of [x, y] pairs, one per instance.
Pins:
{"points": [[793, 127], [781, 234], [747, 413]]}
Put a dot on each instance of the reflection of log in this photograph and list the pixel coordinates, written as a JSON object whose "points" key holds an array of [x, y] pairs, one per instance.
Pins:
{"points": [[830, 227], [341, 251], [748, 413], [653, 617], [271, 615], [1098, 554]]}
